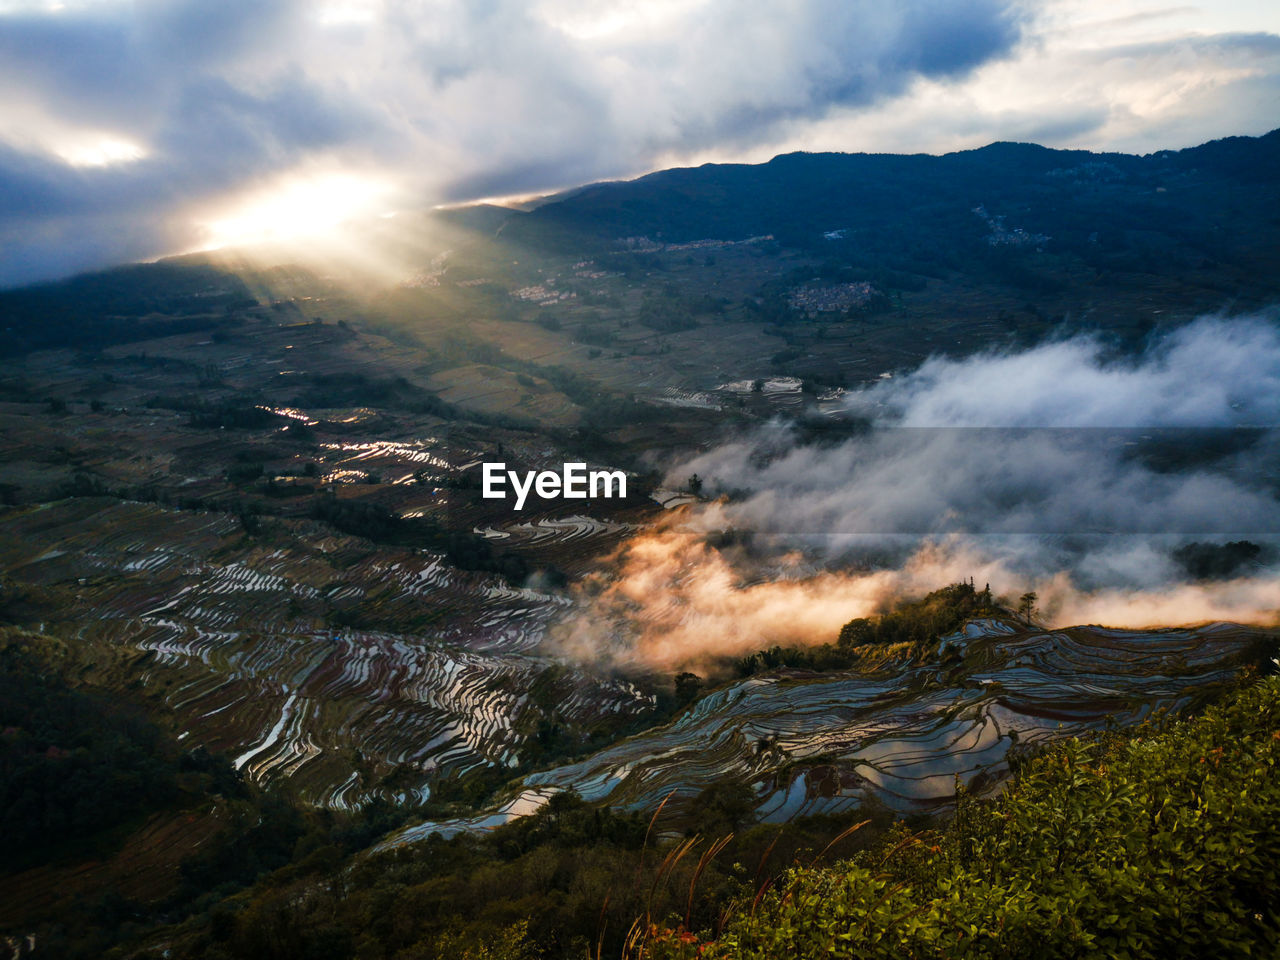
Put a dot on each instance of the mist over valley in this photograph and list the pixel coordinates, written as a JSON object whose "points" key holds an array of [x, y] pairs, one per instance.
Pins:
{"points": [[510, 561]]}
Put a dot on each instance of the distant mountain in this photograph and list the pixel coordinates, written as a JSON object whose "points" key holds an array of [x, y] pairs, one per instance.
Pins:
{"points": [[119, 305], [1196, 229], [799, 197]]}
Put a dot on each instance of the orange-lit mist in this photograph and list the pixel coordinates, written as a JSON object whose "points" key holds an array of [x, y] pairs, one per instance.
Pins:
{"points": [[675, 602], [1249, 600]]}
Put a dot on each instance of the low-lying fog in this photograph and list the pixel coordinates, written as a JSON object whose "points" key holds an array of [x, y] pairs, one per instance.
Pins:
{"points": [[1110, 486]]}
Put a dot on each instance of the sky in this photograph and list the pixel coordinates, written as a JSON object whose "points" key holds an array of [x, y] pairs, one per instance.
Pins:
{"points": [[133, 130]]}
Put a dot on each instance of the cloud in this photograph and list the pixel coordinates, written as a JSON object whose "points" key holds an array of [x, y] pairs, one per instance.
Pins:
{"points": [[1058, 469], [1090, 74], [449, 99], [1055, 440], [1211, 373], [188, 107]]}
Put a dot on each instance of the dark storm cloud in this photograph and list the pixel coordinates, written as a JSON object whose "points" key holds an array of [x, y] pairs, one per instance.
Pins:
{"points": [[447, 99]]}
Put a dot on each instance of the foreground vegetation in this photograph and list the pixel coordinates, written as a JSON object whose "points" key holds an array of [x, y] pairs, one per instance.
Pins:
{"points": [[283, 880], [1148, 843], [73, 763]]}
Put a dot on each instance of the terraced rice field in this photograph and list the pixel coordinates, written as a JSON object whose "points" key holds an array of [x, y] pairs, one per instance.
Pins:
{"points": [[230, 634], [900, 736], [439, 671], [559, 530]]}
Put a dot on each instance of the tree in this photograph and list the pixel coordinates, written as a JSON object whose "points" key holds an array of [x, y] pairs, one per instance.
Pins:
{"points": [[688, 685], [722, 808], [1027, 605], [695, 484]]}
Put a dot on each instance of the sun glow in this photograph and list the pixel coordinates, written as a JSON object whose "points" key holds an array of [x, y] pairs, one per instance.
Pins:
{"points": [[302, 210], [102, 152]]}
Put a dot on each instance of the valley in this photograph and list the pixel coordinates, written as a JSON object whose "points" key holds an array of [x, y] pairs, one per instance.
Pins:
{"points": [[242, 497]]}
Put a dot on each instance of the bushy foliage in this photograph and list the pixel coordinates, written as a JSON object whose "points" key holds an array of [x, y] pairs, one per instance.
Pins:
{"points": [[917, 621], [564, 882], [464, 548], [1162, 844], [72, 763]]}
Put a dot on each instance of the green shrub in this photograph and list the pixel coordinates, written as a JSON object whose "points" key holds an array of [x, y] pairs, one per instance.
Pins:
{"points": [[1158, 844], [916, 621]]}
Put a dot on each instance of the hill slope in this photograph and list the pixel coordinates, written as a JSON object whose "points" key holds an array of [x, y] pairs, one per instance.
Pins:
{"points": [[1158, 843]]}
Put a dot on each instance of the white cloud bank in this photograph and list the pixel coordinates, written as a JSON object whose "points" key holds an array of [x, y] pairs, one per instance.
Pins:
{"points": [[1028, 470]]}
